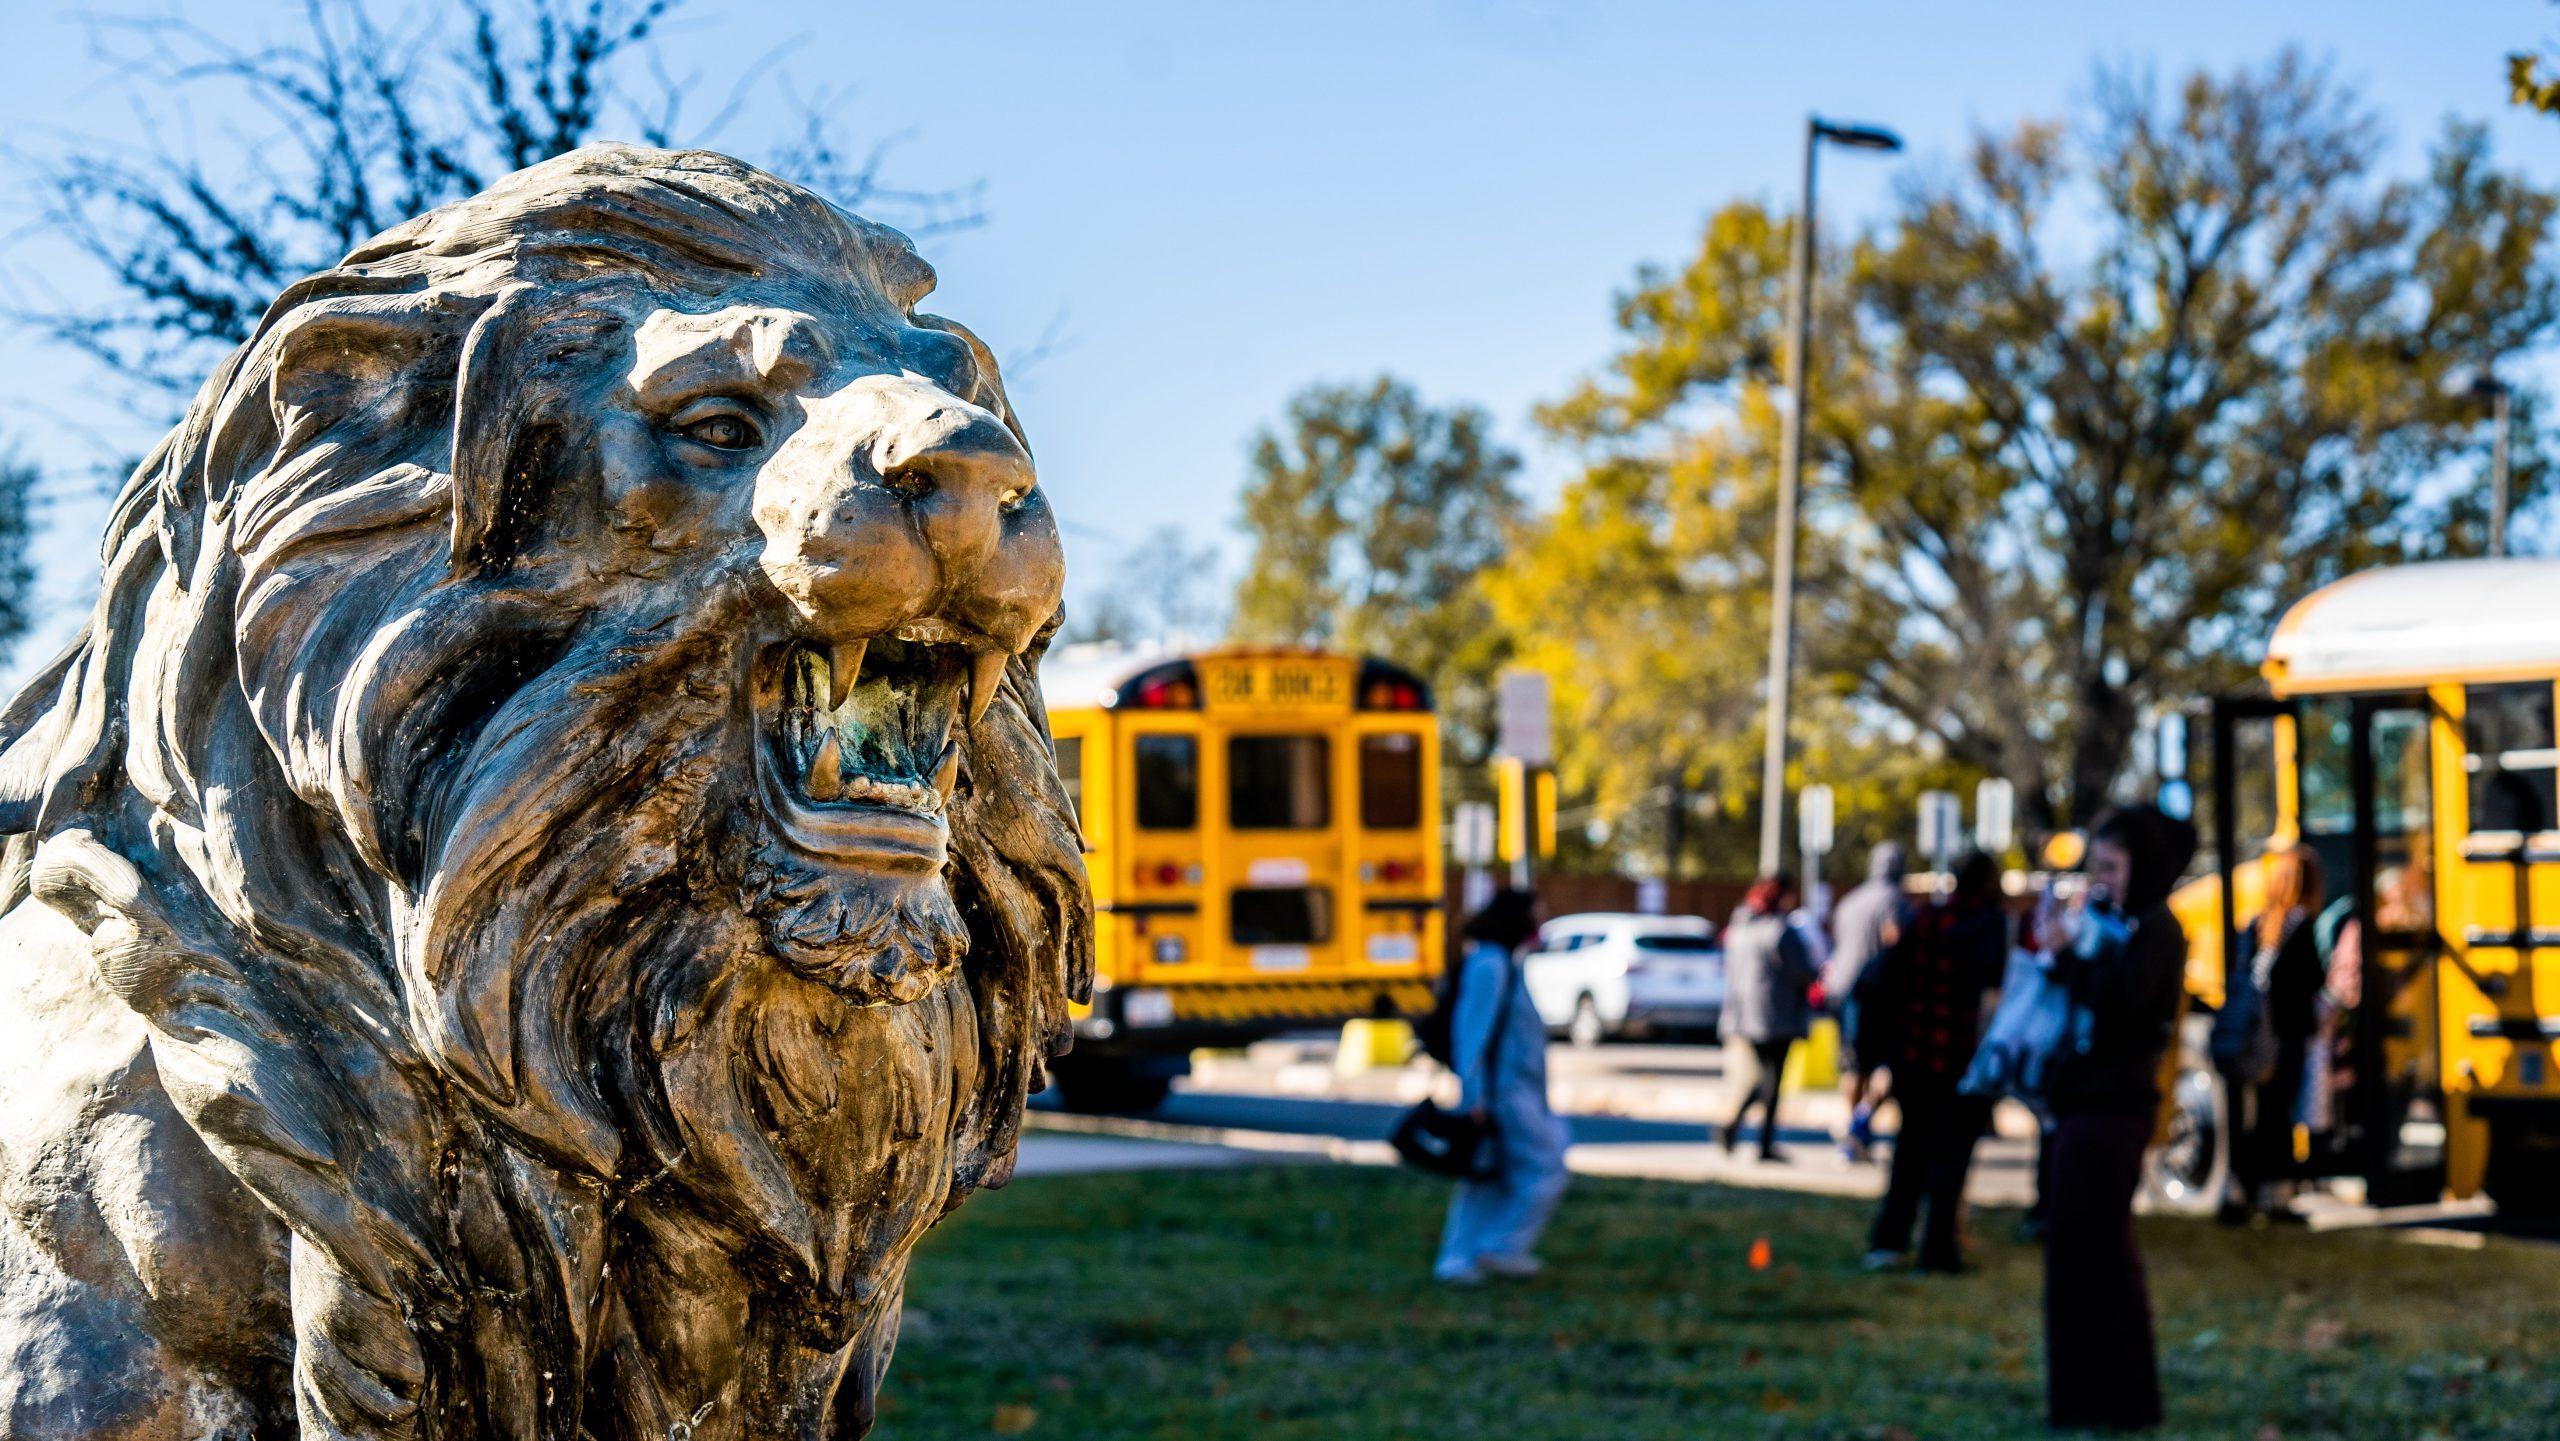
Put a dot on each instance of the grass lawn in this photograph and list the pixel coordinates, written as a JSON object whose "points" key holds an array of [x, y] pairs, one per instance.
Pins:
{"points": [[1294, 1302]]}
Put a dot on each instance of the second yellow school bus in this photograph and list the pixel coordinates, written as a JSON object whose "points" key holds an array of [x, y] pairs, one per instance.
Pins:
{"points": [[1263, 836], [2406, 736]]}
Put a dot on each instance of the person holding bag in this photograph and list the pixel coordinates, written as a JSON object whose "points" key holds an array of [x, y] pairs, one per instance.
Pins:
{"points": [[1498, 1047], [2123, 966]]}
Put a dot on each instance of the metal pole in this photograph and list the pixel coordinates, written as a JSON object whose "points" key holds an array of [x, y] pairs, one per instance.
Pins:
{"points": [[1782, 600], [2498, 473]]}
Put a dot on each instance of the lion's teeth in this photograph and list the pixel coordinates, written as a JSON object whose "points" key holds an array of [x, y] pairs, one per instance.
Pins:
{"points": [[947, 775], [826, 773], [986, 673], [844, 667]]}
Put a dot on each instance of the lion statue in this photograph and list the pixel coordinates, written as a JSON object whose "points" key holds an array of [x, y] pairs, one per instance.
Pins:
{"points": [[545, 873]]}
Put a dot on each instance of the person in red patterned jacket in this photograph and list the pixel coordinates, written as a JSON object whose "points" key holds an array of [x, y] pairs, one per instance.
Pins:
{"points": [[1931, 992]]}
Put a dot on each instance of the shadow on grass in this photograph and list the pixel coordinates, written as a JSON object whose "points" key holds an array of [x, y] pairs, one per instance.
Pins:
{"points": [[1294, 1302]]}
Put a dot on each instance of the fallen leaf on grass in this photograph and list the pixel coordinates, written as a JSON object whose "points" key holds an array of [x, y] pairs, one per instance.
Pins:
{"points": [[1013, 1420], [1239, 1354], [2324, 1334], [1774, 1401]]}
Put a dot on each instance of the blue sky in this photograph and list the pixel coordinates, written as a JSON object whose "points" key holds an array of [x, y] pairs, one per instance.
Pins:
{"points": [[1217, 203]]}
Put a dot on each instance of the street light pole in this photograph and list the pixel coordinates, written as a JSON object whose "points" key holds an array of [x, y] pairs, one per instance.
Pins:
{"points": [[1782, 569], [2498, 473], [2484, 384]]}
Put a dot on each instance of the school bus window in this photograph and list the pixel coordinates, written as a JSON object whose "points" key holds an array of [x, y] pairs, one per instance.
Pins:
{"points": [[1279, 783], [2321, 768], [1071, 771], [2507, 733], [1168, 783], [1391, 781], [1281, 916]]}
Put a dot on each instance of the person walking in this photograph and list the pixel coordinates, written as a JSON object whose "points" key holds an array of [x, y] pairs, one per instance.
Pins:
{"points": [[1769, 979], [1932, 982], [1498, 1047], [2264, 1033], [2124, 965], [1863, 924]]}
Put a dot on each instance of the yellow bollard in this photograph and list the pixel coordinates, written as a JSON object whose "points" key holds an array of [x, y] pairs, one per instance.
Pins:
{"points": [[1814, 1063], [1372, 1045]]}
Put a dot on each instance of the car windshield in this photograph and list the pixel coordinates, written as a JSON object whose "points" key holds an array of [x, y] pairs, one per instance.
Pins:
{"points": [[1674, 943]]}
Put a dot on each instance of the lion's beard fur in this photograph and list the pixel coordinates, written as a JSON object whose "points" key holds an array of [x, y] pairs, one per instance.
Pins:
{"points": [[595, 949]]}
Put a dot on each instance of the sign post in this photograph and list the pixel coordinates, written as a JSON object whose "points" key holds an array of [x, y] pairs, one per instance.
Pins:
{"points": [[1994, 815], [1525, 749], [1813, 837], [1941, 822], [1471, 845]]}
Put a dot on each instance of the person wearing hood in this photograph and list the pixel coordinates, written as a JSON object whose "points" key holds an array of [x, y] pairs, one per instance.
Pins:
{"points": [[2102, 1367], [1863, 925]]}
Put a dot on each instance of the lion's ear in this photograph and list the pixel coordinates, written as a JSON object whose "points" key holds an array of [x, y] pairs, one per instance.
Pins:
{"points": [[490, 427], [509, 408]]}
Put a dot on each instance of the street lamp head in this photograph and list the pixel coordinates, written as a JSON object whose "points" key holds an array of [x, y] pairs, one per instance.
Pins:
{"points": [[2480, 384], [1858, 137]]}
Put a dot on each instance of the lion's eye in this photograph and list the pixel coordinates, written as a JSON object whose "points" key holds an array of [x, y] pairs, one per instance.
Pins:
{"points": [[722, 432]]}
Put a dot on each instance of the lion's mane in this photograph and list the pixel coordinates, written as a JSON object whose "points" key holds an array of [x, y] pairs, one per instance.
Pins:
{"points": [[425, 875]]}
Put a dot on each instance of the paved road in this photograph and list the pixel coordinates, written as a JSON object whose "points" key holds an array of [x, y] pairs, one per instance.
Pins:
{"points": [[1635, 1110]]}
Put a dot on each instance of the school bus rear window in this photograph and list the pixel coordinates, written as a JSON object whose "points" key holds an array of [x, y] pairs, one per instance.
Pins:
{"points": [[1279, 783], [1391, 782], [1168, 783], [2508, 736]]}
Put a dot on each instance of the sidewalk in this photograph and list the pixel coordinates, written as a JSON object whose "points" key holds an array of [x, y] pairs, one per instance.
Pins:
{"points": [[1676, 1087]]}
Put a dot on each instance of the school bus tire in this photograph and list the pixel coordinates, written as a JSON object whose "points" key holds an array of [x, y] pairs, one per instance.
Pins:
{"points": [[2523, 1175], [2187, 1171], [1107, 1086]]}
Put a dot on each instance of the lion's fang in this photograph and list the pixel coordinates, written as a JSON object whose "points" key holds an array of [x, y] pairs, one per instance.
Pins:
{"points": [[947, 774], [844, 667], [986, 673], [826, 773]]}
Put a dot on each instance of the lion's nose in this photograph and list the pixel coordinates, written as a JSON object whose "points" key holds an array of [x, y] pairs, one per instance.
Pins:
{"points": [[904, 502]]}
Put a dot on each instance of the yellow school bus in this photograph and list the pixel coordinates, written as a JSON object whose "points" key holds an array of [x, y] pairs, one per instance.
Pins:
{"points": [[1263, 836], [2407, 738]]}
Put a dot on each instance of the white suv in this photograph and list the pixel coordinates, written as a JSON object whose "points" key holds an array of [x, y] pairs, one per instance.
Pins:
{"points": [[1601, 975]]}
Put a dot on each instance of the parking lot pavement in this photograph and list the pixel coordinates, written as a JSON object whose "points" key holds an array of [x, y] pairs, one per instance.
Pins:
{"points": [[1061, 1153], [1635, 1110]]}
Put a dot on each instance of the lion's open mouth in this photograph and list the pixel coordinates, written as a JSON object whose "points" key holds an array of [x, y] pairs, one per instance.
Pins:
{"points": [[862, 743]]}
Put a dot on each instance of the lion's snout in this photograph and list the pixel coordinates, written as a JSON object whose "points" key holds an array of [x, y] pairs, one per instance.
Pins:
{"points": [[898, 501]]}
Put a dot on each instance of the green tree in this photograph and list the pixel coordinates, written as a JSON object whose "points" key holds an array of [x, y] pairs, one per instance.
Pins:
{"points": [[1373, 515], [2054, 487], [19, 479]]}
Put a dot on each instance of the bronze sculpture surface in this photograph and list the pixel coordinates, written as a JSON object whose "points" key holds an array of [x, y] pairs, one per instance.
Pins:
{"points": [[545, 873]]}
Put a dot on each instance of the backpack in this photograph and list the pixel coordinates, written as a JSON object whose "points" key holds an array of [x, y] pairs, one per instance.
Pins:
{"points": [[2242, 1042]]}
